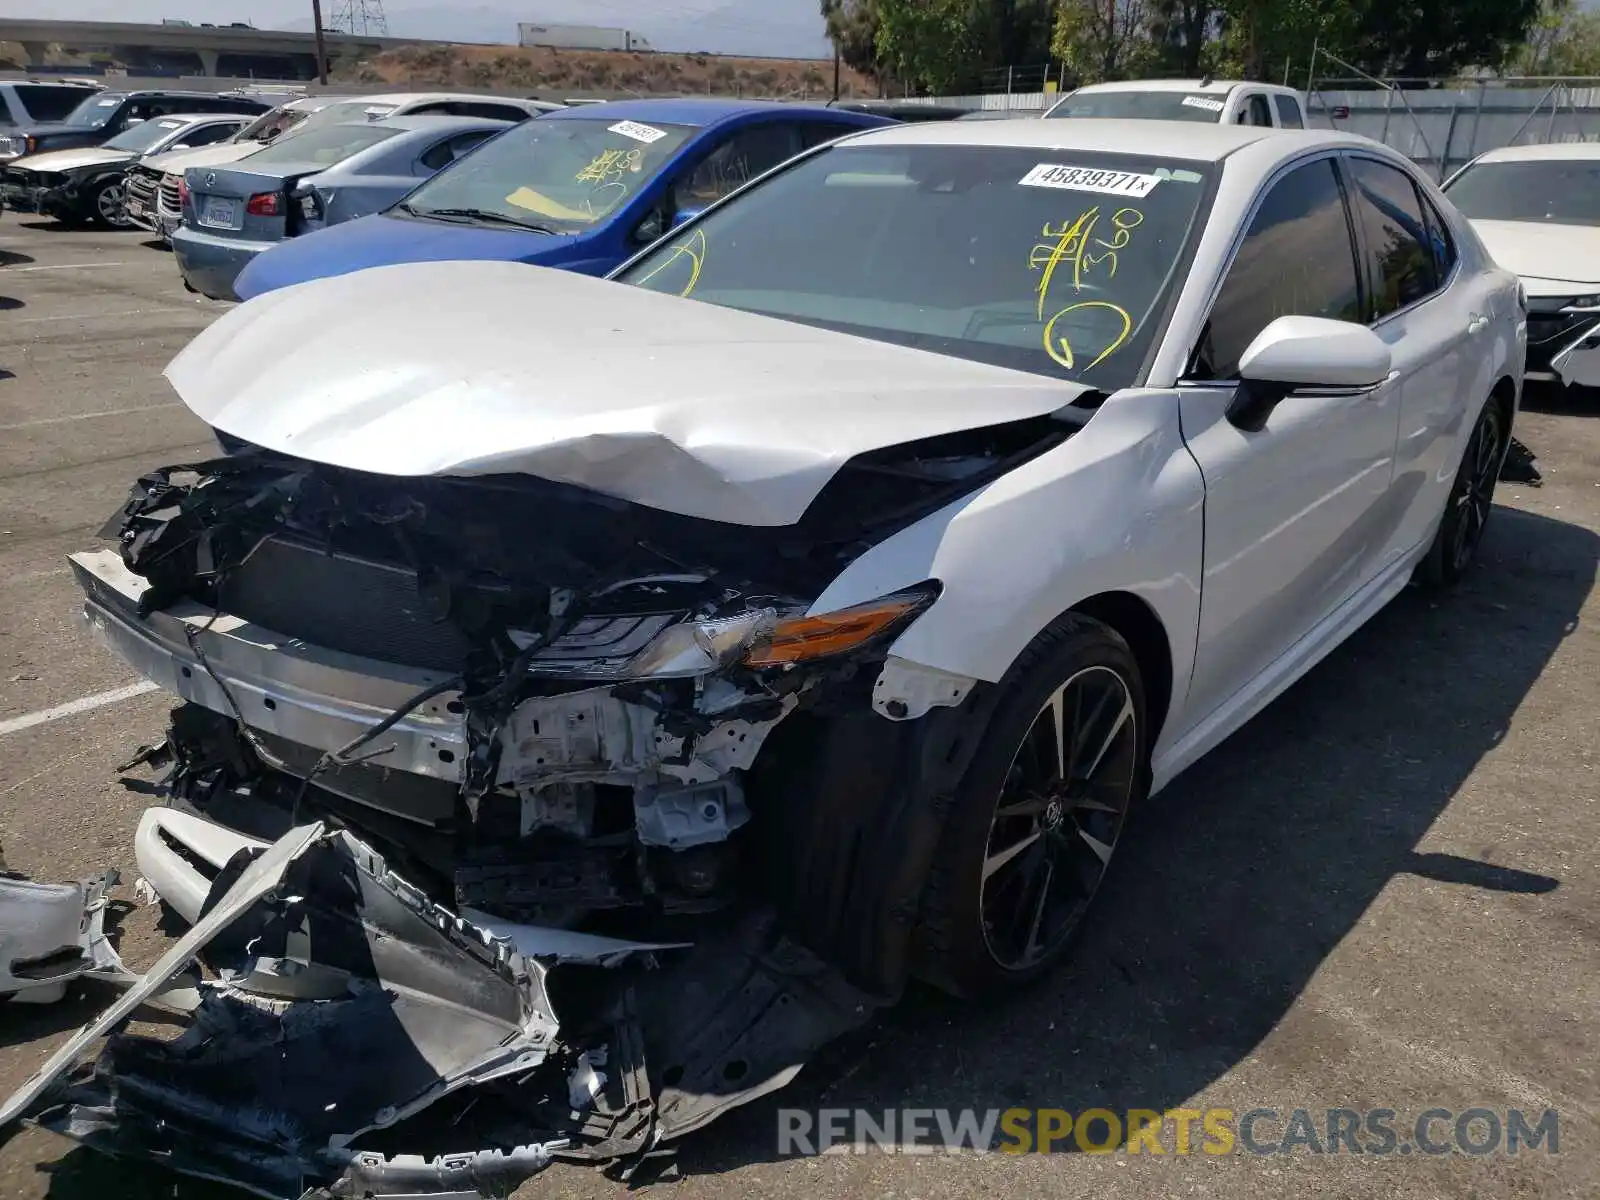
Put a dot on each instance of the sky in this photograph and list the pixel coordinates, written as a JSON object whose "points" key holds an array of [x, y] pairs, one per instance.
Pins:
{"points": [[776, 27]]}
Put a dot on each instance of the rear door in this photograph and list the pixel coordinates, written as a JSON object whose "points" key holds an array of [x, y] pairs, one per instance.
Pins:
{"points": [[1297, 512], [1428, 314]]}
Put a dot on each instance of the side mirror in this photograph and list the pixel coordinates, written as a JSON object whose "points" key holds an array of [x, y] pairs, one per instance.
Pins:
{"points": [[181, 146], [1313, 353], [132, 121], [684, 215]]}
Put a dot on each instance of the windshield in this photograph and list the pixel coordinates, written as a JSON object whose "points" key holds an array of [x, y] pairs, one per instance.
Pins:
{"points": [[1554, 191], [95, 111], [270, 125], [565, 173], [323, 147], [142, 136], [1052, 261], [1142, 106]]}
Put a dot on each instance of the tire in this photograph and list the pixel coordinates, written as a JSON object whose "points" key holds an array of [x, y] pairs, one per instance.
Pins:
{"points": [[105, 205], [970, 941], [1471, 502]]}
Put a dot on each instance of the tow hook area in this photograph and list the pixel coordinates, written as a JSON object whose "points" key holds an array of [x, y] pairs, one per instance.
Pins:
{"points": [[357, 1040]]}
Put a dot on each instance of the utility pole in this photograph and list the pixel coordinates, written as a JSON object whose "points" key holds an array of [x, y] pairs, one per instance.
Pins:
{"points": [[322, 52], [836, 57]]}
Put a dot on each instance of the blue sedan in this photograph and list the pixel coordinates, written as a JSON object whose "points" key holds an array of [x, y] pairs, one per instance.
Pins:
{"points": [[582, 189]]}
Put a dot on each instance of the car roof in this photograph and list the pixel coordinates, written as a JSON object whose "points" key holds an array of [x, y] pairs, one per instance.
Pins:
{"points": [[697, 112], [398, 98], [436, 121], [1158, 139], [242, 118], [1547, 152], [1216, 87]]}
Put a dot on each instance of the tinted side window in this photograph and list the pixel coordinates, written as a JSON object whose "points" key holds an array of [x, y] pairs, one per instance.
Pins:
{"points": [[45, 103], [447, 151], [814, 133], [1288, 111], [1443, 245], [1401, 262], [206, 135], [1297, 259], [1254, 111], [490, 111], [744, 155], [7, 117]]}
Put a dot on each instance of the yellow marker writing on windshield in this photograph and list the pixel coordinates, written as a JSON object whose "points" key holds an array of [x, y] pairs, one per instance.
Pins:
{"points": [[1058, 348], [1062, 247], [609, 165], [694, 249]]}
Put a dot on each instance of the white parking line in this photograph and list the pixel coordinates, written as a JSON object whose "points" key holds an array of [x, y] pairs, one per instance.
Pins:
{"points": [[110, 412], [73, 707], [98, 316], [94, 266]]}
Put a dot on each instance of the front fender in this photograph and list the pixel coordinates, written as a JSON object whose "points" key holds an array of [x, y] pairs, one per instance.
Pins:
{"points": [[1118, 507]]}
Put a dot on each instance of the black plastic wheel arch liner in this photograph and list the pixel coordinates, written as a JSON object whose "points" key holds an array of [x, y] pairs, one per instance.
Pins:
{"points": [[350, 1006]]}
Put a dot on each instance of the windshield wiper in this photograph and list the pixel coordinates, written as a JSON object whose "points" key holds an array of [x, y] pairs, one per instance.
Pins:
{"points": [[476, 214]]}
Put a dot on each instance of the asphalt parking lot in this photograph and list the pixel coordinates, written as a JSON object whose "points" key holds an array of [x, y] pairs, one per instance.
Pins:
{"points": [[1383, 893]]}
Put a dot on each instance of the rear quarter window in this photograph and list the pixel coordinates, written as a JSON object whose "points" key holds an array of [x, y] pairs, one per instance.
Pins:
{"points": [[48, 103]]}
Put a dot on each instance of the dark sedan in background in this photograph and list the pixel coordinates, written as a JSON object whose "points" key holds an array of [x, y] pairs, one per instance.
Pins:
{"points": [[84, 186], [308, 182]]}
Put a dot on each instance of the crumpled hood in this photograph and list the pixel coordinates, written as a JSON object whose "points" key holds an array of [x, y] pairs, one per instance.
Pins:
{"points": [[178, 161], [379, 241], [473, 368], [71, 160], [1564, 254]]}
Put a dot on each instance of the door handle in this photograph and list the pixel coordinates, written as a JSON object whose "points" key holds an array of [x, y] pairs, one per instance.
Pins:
{"points": [[1477, 325]]}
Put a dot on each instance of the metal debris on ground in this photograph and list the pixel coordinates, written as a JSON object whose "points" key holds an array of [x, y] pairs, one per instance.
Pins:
{"points": [[52, 934], [346, 1009]]}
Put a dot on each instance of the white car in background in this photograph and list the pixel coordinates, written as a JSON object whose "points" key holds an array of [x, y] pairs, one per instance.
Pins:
{"points": [[1208, 101], [1537, 209]]}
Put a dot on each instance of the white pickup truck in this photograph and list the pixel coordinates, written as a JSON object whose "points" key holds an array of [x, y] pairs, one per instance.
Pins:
{"points": [[1213, 101]]}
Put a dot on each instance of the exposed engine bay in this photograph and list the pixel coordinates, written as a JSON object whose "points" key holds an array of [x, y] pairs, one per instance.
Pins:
{"points": [[506, 732]]}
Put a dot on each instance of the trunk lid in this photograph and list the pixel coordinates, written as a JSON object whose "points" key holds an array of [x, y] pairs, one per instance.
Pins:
{"points": [[479, 368], [220, 199]]}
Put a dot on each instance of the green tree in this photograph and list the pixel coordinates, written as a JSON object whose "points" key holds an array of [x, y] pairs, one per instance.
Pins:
{"points": [[1564, 40], [853, 29], [929, 43], [1104, 39], [1182, 30], [1432, 38]]}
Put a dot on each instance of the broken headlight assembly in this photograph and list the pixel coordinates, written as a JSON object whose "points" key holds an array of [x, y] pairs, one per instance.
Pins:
{"points": [[762, 638], [803, 639]]}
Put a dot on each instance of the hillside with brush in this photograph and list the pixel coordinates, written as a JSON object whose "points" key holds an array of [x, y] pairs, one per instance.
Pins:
{"points": [[553, 73]]}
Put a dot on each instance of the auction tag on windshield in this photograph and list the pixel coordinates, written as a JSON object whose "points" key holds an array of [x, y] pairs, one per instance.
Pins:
{"points": [[638, 132], [1086, 179], [1205, 102]]}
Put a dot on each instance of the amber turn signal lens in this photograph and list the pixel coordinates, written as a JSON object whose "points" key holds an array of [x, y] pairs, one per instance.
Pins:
{"points": [[803, 638]]}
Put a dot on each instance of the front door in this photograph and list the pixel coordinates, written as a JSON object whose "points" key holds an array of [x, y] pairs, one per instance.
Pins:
{"points": [[1296, 514]]}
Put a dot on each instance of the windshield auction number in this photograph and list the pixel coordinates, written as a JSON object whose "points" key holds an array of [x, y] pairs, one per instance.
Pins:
{"points": [[1074, 246]]}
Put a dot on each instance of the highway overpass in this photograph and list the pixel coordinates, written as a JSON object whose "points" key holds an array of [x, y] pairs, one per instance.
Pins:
{"points": [[190, 49]]}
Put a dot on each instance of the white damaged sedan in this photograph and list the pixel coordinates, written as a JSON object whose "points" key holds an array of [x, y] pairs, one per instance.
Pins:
{"points": [[859, 555]]}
